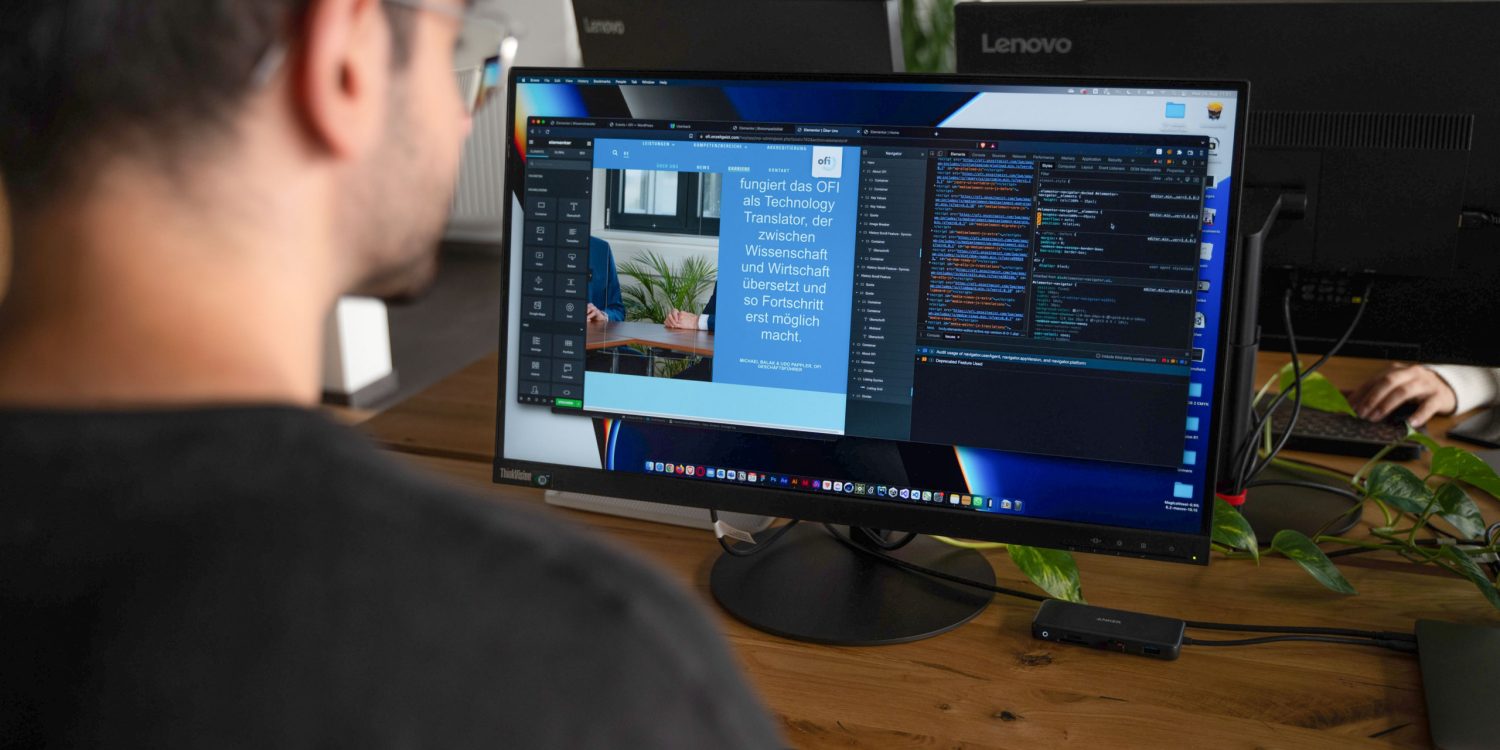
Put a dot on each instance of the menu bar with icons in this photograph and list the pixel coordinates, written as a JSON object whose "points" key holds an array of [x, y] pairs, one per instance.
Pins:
{"points": [[964, 500]]}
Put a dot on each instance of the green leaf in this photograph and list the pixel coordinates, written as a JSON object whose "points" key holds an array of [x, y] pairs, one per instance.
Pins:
{"points": [[1232, 530], [1318, 392], [1455, 506], [1458, 463], [1053, 570], [1471, 571], [1424, 440], [1296, 545], [1398, 486]]}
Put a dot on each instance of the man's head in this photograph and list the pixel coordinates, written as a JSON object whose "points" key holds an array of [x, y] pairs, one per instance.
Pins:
{"points": [[358, 94]]}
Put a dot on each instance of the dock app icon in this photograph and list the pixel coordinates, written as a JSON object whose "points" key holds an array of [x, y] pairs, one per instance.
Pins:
{"points": [[828, 162]]}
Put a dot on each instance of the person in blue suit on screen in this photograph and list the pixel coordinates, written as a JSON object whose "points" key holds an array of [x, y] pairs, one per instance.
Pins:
{"points": [[604, 284]]}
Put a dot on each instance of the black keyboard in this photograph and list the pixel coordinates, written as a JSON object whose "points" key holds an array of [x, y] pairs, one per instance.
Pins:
{"points": [[1341, 434]]}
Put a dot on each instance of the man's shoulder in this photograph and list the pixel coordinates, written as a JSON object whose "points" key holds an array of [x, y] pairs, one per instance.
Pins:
{"points": [[393, 508], [288, 553], [475, 580]]}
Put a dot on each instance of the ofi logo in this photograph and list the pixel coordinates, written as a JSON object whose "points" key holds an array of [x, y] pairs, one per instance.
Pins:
{"points": [[611, 27], [828, 161], [1025, 45]]}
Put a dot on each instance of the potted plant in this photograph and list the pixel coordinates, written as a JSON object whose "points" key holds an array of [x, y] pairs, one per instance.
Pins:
{"points": [[660, 287]]}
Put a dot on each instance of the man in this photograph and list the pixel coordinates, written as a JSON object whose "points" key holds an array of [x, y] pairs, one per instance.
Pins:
{"points": [[605, 304], [193, 557]]}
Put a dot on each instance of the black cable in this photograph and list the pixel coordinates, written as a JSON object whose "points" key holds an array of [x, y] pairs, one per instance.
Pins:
{"points": [[879, 541], [1345, 552], [759, 546], [1338, 346], [914, 568], [1362, 551], [1299, 630], [1408, 647], [1349, 493], [1243, 473], [1256, 467], [1247, 447], [1303, 463]]}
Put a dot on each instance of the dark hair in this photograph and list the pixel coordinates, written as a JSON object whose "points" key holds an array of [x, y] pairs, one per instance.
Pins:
{"points": [[79, 77]]}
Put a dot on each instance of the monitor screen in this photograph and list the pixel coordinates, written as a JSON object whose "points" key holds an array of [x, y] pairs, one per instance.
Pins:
{"points": [[980, 307]]}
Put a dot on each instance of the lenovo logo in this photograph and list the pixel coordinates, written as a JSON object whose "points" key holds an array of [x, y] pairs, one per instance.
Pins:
{"points": [[602, 26], [1025, 45]]}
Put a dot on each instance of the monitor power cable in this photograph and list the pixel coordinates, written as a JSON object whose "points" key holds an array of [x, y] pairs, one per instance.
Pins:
{"points": [[1244, 461], [755, 547], [1403, 646]]}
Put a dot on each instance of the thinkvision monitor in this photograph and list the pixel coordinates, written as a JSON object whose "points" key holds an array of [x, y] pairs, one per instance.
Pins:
{"points": [[980, 307]]}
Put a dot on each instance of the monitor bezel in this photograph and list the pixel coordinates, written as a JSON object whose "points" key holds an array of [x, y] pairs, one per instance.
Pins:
{"points": [[885, 514]]}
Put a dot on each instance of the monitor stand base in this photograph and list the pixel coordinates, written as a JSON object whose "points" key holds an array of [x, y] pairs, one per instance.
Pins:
{"points": [[812, 587], [1273, 507]]}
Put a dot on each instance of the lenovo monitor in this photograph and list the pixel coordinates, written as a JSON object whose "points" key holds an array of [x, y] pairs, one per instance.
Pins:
{"points": [[841, 36], [988, 308], [1367, 112]]}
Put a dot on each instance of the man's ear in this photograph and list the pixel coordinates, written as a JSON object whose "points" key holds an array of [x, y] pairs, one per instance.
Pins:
{"points": [[342, 79]]}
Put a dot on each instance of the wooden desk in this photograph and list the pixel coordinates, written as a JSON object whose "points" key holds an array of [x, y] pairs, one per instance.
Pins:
{"points": [[644, 333], [989, 684]]}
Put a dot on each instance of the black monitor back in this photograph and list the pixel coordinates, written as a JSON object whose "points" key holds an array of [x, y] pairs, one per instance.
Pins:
{"points": [[830, 36], [1381, 113]]}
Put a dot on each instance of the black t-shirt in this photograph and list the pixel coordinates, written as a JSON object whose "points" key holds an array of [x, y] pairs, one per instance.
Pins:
{"points": [[262, 577]]}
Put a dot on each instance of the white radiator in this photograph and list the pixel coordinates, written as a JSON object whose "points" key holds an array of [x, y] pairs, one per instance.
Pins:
{"points": [[478, 203]]}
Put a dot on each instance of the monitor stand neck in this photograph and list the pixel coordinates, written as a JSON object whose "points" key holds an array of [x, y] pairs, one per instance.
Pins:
{"points": [[1269, 508], [813, 587], [1262, 209]]}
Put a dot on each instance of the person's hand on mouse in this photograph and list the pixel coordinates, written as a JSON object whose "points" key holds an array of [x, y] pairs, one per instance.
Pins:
{"points": [[1376, 399]]}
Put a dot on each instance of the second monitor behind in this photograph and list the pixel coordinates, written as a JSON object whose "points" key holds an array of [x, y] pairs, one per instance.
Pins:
{"points": [[1379, 128], [834, 36]]}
